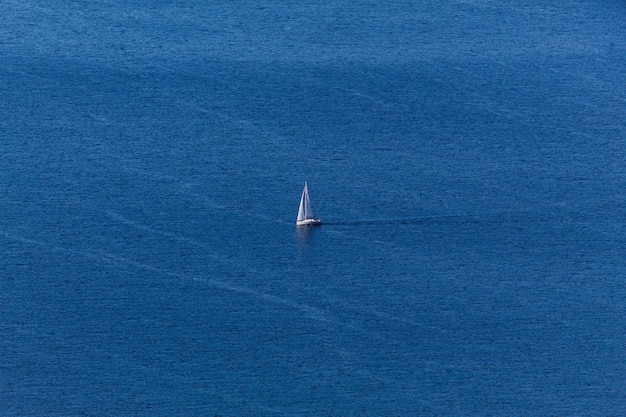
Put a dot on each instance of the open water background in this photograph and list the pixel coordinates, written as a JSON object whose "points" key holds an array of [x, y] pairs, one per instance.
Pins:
{"points": [[467, 158]]}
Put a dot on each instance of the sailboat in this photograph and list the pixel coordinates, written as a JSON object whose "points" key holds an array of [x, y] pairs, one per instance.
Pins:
{"points": [[305, 212]]}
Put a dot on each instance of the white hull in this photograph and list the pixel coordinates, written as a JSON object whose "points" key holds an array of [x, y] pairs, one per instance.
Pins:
{"points": [[308, 222]]}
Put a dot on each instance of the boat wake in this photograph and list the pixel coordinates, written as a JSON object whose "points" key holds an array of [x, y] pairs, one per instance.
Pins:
{"points": [[403, 220], [491, 217], [372, 222]]}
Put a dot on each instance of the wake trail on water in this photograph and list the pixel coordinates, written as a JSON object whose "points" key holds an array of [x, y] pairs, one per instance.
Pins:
{"points": [[366, 222], [488, 217], [309, 311], [109, 258], [395, 221]]}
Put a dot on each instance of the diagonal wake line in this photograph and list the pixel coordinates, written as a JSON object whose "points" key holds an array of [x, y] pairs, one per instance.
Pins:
{"points": [[309, 311], [312, 312]]}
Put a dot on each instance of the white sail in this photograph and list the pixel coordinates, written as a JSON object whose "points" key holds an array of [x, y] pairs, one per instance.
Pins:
{"points": [[305, 211], [301, 209]]}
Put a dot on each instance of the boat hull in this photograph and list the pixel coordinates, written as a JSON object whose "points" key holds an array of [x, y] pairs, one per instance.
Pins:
{"points": [[308, 222]]}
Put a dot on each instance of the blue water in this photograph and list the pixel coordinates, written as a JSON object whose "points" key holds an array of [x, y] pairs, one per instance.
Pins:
{"points": [[467, 159]]}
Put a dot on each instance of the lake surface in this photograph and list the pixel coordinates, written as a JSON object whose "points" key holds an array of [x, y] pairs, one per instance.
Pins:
{"points": [[467, 159]]}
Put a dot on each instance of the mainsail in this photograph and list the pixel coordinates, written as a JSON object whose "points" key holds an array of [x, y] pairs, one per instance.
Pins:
{"points": [[305, 211]]}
